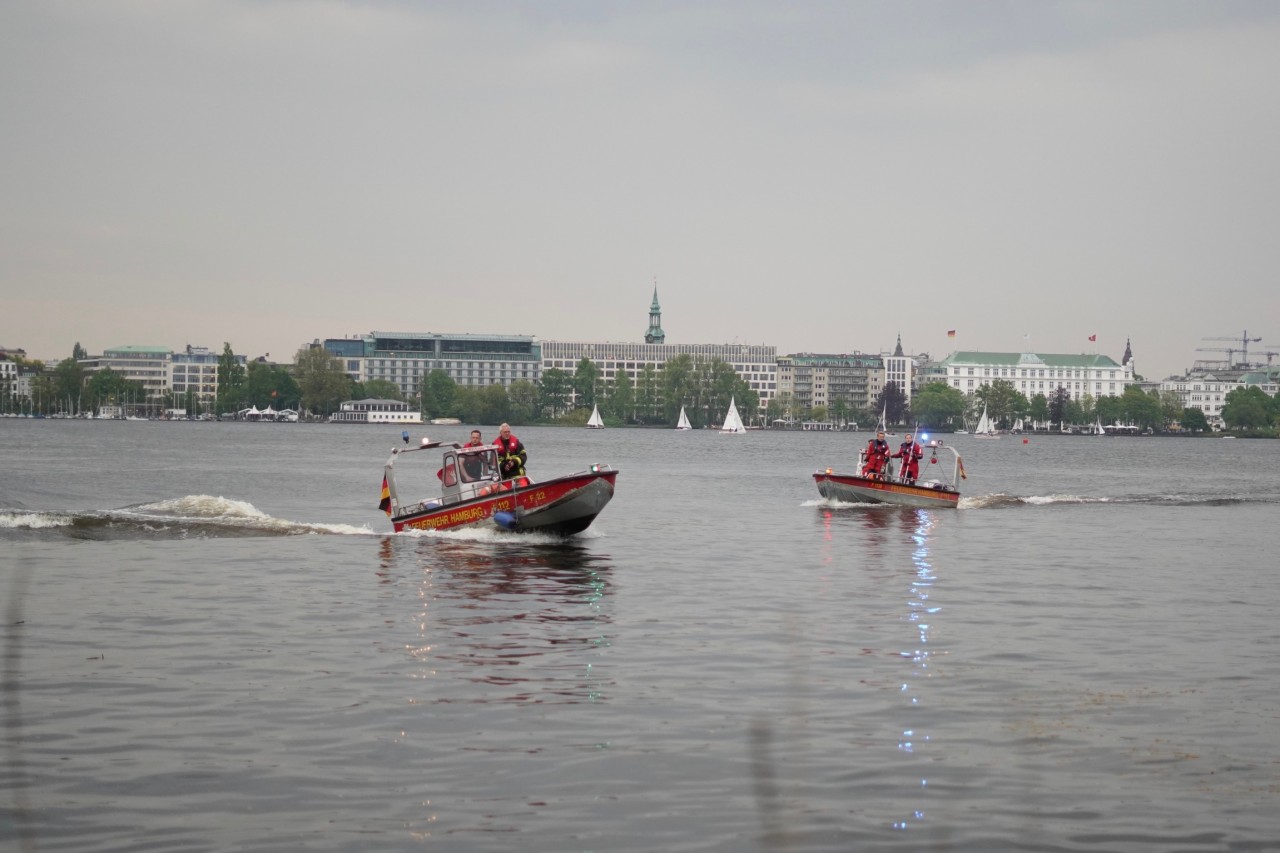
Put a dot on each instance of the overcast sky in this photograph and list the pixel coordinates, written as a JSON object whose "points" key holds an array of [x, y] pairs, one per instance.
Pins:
{"points": [[815, 176]]}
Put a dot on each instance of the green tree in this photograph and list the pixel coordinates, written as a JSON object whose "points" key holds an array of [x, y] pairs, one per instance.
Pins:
{"points": [[494, 407], [68, 385], [622, 397], [1140, 408], [78, 352], [322, 383], [1170, 409], [893, 402], [553, 393], [382, 389], [439, 394], [1193, 420], [939, 406], [269, 385], [522, 396], [586, 376], [1059, 404], [1039, 411], [1002, 401], [231, 379], [680, 388], [648, 394], [1247, 408]]}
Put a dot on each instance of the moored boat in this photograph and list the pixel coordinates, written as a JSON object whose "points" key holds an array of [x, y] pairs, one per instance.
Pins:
{"points": [[890, 489], [472, 493]]}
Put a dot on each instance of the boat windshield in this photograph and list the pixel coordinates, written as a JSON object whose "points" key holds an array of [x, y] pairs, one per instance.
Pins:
{"points": [[477, 463]]}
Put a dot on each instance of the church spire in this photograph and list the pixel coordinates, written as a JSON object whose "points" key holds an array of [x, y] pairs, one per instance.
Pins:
{"points": [[1128, 352], [654, 334], [897, 351]]}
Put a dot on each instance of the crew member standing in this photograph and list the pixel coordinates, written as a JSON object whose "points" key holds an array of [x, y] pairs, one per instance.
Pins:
{"points": [[910, 453], [875, 456], [511, 453]]}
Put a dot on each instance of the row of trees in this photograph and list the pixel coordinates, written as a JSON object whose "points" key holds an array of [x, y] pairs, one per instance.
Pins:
{"points": [[941, 406]]}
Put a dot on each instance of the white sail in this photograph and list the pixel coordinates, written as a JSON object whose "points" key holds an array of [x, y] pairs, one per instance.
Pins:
{"points": [[1097, 427], [883, 426], [732, 421], [683, 423], [595, 421], [985, 429]]}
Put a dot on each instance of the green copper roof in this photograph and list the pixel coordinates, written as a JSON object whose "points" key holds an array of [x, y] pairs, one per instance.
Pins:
{"points": [[1013, 359], [140, 349]]}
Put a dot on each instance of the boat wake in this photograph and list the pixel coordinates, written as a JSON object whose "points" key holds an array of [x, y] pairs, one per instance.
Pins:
{"points": [[1002, 501], [190, 517], [998, 501]]}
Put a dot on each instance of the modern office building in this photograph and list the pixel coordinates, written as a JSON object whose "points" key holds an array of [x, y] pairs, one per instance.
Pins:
{"points": [[148, 366], [406, 358], [195, 370]]}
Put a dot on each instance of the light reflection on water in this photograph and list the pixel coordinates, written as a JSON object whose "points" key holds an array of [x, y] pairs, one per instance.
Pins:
{"points": [[921, 614]]}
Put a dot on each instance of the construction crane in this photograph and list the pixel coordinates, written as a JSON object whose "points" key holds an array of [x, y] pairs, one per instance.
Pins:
{"points": [[1244, 340], [1211, 364]]}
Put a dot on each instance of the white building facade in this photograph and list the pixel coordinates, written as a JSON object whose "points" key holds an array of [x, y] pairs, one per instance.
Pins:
{"points": [[1039, 373]]}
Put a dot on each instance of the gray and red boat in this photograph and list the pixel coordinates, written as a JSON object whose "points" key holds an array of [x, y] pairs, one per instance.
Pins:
{"points": [[890, 488], [473, 493]]}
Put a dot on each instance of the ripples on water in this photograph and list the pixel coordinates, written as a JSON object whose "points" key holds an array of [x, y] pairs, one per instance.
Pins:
{"points": [[229, 651]]}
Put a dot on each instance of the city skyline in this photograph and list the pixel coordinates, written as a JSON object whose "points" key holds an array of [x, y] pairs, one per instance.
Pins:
{"points": [[818, 178]]}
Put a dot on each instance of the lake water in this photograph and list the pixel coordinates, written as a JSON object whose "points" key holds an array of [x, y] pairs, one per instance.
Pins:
{"points": [[212, 642]]}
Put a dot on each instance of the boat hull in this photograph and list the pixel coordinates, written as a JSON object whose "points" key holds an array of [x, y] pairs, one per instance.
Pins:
{"points": [[560, 507], [855, 489]]}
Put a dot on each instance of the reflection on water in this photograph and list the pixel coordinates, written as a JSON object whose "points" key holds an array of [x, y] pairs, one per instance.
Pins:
{"points": [[530, 621], [921, 614]]}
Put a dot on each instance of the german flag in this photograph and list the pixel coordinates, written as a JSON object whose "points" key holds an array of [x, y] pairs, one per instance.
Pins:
{"points": [[385, 503], [959, 464]]}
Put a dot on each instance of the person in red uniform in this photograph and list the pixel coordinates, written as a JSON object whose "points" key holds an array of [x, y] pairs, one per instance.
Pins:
{"points": [[875, 456], [910, 453], [511, 453]]}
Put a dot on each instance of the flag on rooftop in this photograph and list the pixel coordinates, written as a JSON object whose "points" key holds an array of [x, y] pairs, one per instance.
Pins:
{"points": [[1093, 338], [951, 333]]}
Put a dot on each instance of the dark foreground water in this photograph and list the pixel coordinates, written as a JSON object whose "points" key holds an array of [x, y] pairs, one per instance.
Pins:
{"points": [[212, 642]]}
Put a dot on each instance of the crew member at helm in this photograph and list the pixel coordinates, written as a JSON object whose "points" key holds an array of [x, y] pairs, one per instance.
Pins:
{"points": [[910, 453], [511, 453]]}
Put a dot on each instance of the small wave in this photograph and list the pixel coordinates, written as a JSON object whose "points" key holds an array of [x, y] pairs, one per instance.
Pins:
{"points": [[192, 516], [26, 520]]}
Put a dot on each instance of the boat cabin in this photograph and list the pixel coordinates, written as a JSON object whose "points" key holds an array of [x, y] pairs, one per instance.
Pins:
{"points": [[467, 471]]}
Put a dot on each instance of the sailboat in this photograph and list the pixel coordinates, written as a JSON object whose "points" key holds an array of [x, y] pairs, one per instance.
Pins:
{"points": [[1097, 427], [732, 422], [985, 429], [595, 421], [683, 423]]}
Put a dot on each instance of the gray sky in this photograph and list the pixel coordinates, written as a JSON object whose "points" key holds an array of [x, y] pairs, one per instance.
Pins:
{"points": [[818, 176]]}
